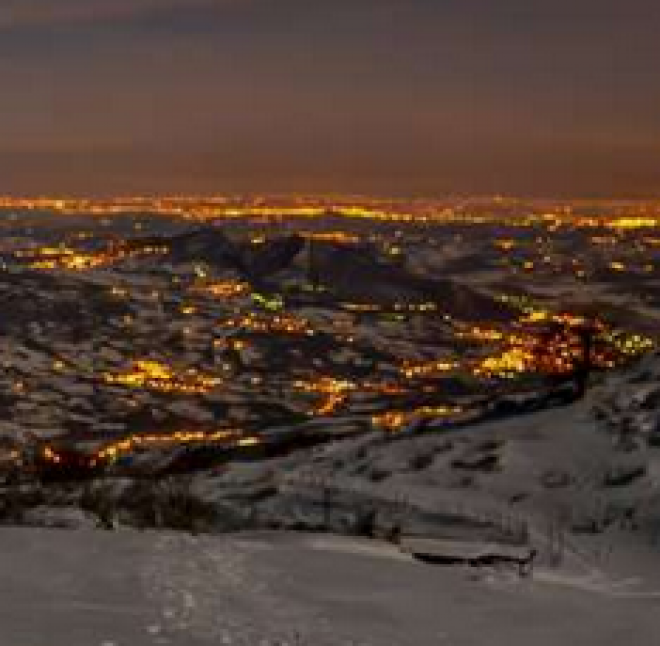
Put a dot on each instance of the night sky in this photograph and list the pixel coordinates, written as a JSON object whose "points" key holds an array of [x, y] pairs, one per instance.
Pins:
{"points": [[389, 97]]}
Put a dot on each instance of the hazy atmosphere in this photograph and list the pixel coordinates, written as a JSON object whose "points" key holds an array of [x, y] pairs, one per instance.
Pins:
{"points": [[395, 97]]}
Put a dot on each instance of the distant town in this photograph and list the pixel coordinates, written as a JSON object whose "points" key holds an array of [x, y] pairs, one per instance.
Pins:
{"points": [[170, 325]]}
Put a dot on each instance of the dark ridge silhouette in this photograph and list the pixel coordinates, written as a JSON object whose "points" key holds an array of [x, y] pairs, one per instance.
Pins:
{"points": [[356, 273], [273, 256], [208, 245]]}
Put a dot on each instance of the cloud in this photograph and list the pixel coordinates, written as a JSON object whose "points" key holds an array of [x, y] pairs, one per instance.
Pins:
{"points": [[17, 14]]}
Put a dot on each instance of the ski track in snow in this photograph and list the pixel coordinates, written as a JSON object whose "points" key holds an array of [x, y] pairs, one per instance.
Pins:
{"points": [[209, 594]]}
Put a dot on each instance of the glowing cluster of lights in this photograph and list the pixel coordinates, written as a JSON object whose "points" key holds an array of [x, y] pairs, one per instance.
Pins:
{"points": [[152, 375], [634, 222], [224, 289], [505, 244], [415, 307], [629, 345], [556, 346], [512, 361], [396, 420], [109, 453], [430, 368], [63, 257], [134, 443], [336, 237], [563, 319], [277, 209], [335, 392], [280, 323], [481, 333], [541, 342]]}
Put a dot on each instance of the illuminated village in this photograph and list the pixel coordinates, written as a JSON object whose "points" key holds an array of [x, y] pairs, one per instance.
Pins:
{"points": [[203, 307]]}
